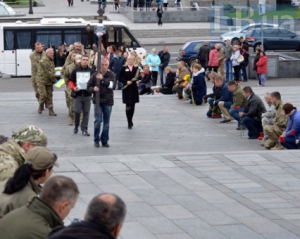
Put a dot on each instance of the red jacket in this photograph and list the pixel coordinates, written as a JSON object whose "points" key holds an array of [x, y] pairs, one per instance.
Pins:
{"points": [[262, 65], [213, 58]]}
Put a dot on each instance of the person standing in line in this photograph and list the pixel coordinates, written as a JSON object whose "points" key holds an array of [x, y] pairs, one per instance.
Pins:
{"points": [[228, 63], [245, 62], [61, 56], [102, 82], [164, 56], [82, 98], [116, 66], [202, 56], [255, 60], [130, 94], [45, 79], [35, 58], [236, 65], [159, 14], [213, 59], [262, 68], [153, 61], [221, 60]]}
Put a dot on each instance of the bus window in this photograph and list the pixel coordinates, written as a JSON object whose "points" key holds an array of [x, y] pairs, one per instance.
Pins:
{"points": [[9, 39], [23, 40], [49, 37], [128, 40], [72, 36]]}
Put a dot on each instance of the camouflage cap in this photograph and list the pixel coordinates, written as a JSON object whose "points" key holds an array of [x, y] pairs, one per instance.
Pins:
{"points": [[32, 134], [41, 158]]}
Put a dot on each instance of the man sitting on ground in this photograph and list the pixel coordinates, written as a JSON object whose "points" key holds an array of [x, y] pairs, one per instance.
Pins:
{"points": [[104, 219], [280, 122], [225, 100], [252, 114], [239, 102], [267, 117], [42, 213]]}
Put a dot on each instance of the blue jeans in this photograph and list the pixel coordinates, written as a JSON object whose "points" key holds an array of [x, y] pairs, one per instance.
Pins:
{"points": [[290, 143], [244, 72], [228, 69], [235, 114], [254, 127], [161, 75], [262, 78], [104, 116]]}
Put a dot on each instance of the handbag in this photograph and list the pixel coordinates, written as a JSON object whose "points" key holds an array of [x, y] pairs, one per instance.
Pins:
{"points": [[240, 59], [73, 94]]}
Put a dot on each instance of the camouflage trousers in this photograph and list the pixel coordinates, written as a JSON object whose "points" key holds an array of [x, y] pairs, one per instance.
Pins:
{"points": [[221, 69], [45, 94], [69, 102], [34, 85], [273, 133]]}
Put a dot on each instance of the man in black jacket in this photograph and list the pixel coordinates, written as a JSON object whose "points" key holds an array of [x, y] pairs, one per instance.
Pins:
{"points": [[164, 56], [102, 82], [251, 117], [103, 220], [82, 98], [203, 55]]}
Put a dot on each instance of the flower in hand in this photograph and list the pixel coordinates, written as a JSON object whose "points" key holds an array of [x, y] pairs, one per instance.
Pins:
{"points": [[292, 133], [281, 139], [238, 107]]}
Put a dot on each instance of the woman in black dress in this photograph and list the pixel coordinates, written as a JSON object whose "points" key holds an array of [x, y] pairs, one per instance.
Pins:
{"points": [[130, 93]]}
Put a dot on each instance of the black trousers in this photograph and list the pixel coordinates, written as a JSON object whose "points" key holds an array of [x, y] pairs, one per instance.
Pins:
{"points": [[129, 113], [237, 70], [159, 21], [154, 77]]}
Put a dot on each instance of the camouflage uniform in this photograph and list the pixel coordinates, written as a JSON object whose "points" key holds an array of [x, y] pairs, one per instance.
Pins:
{"points": [[35, 58], [12, 155], [45, 79], [69, 100], [274, 131]]}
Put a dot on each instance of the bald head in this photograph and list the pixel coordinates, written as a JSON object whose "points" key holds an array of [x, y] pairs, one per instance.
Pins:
{"points": [[108, 210]]}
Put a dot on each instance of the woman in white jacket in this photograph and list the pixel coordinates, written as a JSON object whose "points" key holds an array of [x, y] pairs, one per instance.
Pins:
{"points": [[236, 65]]}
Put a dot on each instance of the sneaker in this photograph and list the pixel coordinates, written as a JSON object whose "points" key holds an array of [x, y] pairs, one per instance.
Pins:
{"points": [[225, 121], [105, 145], [85, 133], [96, 144]]}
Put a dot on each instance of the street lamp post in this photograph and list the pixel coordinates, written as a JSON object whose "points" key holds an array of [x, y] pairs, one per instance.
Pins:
{"points": [[30, 7]]}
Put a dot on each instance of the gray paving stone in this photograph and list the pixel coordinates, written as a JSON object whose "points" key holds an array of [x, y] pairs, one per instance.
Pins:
{"points": [[174, 236], [133, 181], [174, 212], [153, 196], [197, 228], [90, 167], [142, 209], [76, 176], [102, 179], [159, 225], [193, 202], [236, 210], [136, 230], [112, 167], [215, 217], [238, 231], [262, 225], [87, 188], [214, 197], [280, 235]]}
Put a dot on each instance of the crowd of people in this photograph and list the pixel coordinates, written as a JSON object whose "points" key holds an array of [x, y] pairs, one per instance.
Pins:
{"points": [[37, 211], [128, 72]]}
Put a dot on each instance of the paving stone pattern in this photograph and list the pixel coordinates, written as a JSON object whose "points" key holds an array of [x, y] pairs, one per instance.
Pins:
{"points": [[181, 175]]}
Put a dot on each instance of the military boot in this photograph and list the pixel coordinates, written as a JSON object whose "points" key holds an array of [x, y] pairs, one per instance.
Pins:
{"points": [[40, 110], [51, 112]]}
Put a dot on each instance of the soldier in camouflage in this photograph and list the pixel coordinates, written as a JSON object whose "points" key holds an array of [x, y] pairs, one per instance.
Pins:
{"points": [[66, 75], [45, 79], [13, 152], [78, 47], [279, 126], [35, 58]]}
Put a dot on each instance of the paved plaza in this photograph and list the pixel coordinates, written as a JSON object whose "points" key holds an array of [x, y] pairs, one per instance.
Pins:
{"points": [[181, 174]]}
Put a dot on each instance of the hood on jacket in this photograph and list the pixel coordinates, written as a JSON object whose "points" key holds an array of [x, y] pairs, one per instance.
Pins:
{"points": [[199, 72]]}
